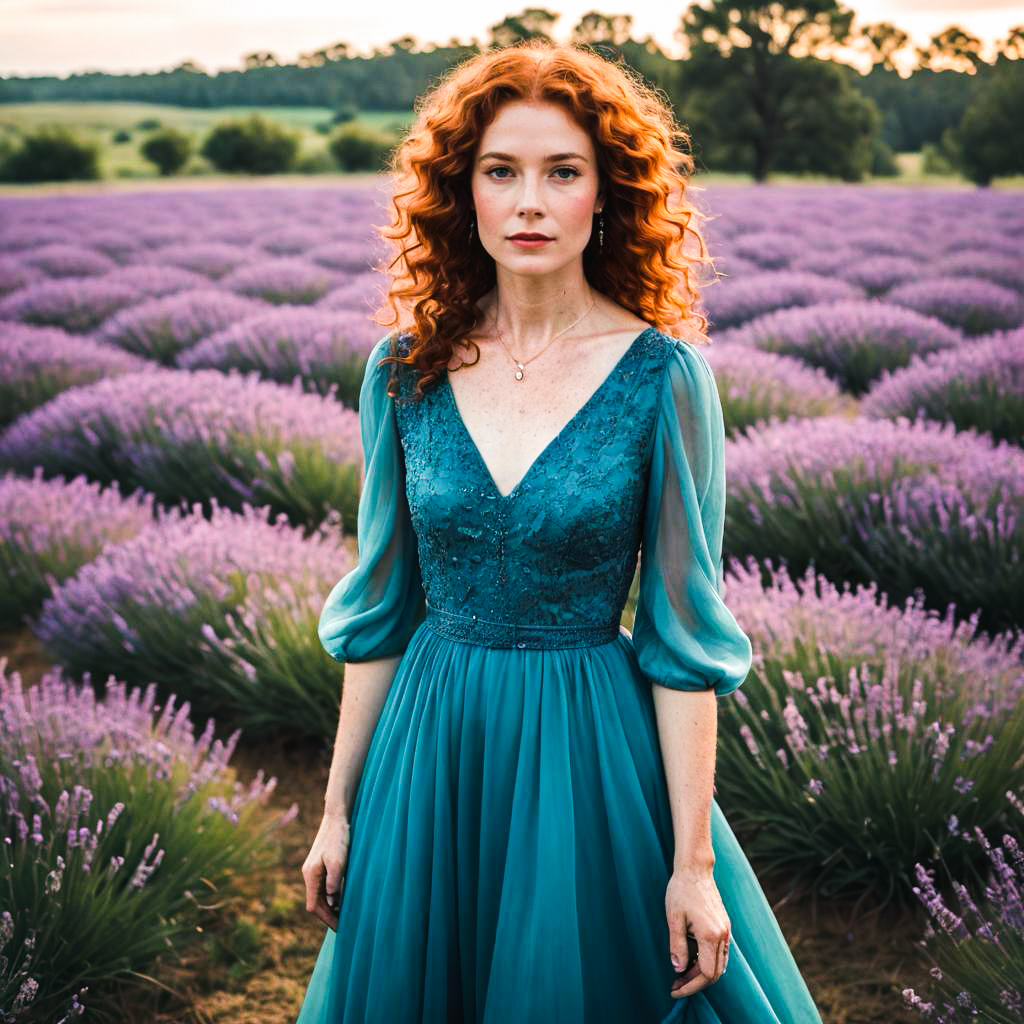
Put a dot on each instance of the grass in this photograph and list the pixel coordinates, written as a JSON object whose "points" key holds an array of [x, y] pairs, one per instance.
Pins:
{"points": [[254, 967], [122, 166]]}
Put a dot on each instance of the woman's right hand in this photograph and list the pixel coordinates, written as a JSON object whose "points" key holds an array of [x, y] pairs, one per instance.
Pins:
{"points": [[324, 869]]}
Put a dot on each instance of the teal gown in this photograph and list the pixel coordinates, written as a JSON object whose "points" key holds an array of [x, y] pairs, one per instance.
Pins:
{"points": [[511, 836]]}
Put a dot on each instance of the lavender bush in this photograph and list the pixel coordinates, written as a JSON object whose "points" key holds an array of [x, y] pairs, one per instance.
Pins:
{"points": [[63, 260], [977, 953], [78, 304], [854, 342], [212, 260], [757, 386], [198, 435], [860, 730], [977, 386], [974, 306], [49, 529], [122, 834], [162, 328], [37, 363], [326, 350], [284, 280], [152, 281], [735, 302], [915, 507], [222, 611]]}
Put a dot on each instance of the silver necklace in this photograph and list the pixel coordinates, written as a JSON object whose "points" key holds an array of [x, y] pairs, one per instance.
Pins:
{"points": [[521, 366]]}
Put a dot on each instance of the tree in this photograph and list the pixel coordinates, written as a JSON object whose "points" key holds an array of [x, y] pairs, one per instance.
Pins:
{"points": [[533, 23], [744, 80], [168, 149], [1012, 47], [989, 141], [883, 40], [594, 28], [953, 49]]}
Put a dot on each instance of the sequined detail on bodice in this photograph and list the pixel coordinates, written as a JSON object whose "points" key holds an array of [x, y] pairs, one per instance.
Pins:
{"points": [[550, 563]]}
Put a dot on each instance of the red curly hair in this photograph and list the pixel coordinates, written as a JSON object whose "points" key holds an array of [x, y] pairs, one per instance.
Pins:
{"points": [[440, 275]]}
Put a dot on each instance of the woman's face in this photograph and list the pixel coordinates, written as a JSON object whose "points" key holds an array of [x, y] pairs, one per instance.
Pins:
{"points": [[535, 171]]}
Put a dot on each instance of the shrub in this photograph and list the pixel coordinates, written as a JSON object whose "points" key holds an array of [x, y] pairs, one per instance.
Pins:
{"points": [[978, 386], [252, 146], [283, 281], [78, 304], [978, 974], [169, 149], [51, 153], [860, 729], [221, 611], [49, 529], [162, 328], [756, 386], [124, 834], [854, 342], [37, 363], [326, 350], [972, 305], [911, 506], [737, 301], [195, 436], [357, 148]]}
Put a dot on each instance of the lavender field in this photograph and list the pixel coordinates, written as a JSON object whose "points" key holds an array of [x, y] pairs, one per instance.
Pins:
{"points": [[179, 477]]}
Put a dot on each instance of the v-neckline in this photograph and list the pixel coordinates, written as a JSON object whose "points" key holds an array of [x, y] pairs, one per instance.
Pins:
{"points": [[561, 433]]}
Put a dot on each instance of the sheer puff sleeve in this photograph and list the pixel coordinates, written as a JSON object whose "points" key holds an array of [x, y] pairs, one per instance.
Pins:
{"points": [[373, 611], [684, 635]]}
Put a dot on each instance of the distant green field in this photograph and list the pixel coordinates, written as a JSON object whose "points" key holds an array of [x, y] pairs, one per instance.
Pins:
{"points": [[100, 122], [121, 161]]}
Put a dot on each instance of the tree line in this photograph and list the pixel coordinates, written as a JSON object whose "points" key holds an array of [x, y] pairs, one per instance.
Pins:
{"points": [[759, 87]]}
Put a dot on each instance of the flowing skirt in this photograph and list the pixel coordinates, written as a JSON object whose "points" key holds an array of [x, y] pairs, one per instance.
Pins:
{"points": [[510, 846]]}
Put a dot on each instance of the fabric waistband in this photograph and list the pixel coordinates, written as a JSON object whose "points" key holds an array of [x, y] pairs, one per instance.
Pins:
{"points": [[475, 630]]}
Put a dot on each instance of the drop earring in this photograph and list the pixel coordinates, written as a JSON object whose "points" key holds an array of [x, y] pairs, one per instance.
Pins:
{"points": [[600, 232], [471, 223]]}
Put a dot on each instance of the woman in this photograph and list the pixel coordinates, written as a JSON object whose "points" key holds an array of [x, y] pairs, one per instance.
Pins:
{"points": [[519, 824]]}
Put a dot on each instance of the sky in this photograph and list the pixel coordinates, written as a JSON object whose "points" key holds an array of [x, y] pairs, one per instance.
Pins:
{"points": [[57, 37]]}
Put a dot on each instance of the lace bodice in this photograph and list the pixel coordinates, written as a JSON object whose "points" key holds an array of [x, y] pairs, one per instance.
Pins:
{"points": [[639, 468]]}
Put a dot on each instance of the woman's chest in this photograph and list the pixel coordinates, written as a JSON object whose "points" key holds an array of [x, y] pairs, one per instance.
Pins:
{"points": [[580, 498]]}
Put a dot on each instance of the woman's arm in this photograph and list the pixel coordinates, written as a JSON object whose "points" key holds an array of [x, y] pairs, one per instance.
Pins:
{"points": [[688, 731], [363, 694]]}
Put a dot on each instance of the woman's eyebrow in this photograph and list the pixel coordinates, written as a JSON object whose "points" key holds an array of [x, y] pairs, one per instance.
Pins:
{"points": [[547, 159]]}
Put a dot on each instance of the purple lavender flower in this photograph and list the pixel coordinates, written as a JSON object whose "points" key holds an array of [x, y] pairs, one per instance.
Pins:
{"points": [[323, 348], [913, 506], [735, 302], [976, 953], [757, 386], [162, 328], [154, 280], [973, 305], [84, 873], [191, 601], [852, 341], [199, 434], [79, 305], [212, 260], [978, 385], [15, 274], [37, 363], [61, 260], [284, 280], [849, 700], [50, 528]]}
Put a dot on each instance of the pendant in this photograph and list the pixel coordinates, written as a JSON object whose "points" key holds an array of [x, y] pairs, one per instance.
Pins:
{"points": [[519, 372]]}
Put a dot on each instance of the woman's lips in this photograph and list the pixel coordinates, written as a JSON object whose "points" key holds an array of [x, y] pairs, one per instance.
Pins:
{"points": [[530, 243]]}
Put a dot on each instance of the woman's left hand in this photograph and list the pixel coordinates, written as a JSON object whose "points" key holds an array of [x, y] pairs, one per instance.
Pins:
{"points": [[692, 899]]}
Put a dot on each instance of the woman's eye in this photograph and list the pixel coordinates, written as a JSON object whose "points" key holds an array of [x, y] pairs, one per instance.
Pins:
{"points": [[572, 171]]}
